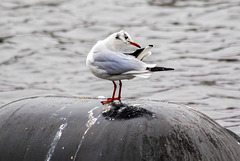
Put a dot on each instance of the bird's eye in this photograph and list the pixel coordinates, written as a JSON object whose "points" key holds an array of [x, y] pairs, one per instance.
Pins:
{"points": [[125, 36]]}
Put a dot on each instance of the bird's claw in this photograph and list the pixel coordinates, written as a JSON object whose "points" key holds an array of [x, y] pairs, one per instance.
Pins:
{"points": [[106, 102], [118, 98], [110, 100]]}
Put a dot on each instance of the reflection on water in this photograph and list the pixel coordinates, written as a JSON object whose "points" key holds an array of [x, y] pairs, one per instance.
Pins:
{"points": [[43, 46]]}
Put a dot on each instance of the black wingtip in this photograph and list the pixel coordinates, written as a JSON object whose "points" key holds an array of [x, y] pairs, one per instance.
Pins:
{"points": [[155, 69], [137, 52], [169, 69]]}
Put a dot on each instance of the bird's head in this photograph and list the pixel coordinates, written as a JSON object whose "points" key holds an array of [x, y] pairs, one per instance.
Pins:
{"points": [[119, 39]]}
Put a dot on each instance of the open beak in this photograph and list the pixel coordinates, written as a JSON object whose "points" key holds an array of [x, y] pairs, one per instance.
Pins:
{"points": [[135, 44]]}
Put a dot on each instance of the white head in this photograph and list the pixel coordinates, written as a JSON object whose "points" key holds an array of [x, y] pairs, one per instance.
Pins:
{"points": [[119, 39]]}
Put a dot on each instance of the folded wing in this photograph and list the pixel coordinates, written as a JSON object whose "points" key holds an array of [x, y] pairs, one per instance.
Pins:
{"points": [[117, 63]]}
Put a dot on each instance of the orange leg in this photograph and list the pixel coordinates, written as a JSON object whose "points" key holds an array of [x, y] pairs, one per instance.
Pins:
{"points": [[110, 100]]}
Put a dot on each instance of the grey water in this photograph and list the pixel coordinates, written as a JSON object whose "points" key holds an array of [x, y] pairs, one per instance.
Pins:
{"points": [[44, 44]]}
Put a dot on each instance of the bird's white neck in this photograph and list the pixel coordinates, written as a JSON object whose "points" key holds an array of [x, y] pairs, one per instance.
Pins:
{"points": [[112, 47]]}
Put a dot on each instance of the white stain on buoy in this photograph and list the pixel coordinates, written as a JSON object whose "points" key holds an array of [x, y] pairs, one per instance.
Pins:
{"points": [[55, 141]]}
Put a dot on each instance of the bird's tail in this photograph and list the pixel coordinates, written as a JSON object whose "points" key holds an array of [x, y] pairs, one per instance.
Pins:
{"points": [[156, 69]]}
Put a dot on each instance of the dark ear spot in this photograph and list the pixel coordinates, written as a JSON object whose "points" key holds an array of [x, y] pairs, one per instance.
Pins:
{"points": [[117, 37], [125, 36]]}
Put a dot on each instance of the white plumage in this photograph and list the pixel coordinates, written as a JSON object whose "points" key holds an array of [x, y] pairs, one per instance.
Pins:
{"points": [[107, 62]]}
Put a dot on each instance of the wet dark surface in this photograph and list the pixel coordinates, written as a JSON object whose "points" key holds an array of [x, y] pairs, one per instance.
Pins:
{"points": [[121, 111], [44, 44], [71, 128]]}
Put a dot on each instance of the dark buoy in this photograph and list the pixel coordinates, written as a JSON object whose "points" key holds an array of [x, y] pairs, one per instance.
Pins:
{"points": [[67, 128]]}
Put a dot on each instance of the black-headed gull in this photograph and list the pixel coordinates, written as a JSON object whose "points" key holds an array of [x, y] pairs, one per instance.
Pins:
{"points": [[107, 62]]}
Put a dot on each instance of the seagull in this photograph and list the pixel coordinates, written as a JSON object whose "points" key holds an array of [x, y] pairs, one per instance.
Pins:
{"points": [[107, 62]]}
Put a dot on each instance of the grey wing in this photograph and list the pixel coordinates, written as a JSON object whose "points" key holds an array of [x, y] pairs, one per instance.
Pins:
{"points": [[117, 63]]}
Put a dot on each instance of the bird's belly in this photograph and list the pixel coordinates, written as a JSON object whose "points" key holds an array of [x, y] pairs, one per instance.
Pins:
{"points": [[104, 75], [120, 77]]}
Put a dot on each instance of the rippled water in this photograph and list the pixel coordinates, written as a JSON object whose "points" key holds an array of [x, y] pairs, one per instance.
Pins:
{"points": [[43, 46]]}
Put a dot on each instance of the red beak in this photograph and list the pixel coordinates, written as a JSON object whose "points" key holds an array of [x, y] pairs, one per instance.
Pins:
{"points": [[135, 44]]}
